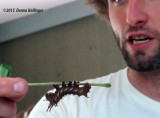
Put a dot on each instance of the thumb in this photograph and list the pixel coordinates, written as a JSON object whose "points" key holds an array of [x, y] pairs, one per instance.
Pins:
{"points": [[13, 88]]}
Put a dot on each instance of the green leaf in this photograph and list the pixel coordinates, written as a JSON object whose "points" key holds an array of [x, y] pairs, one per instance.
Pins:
{"points": [[5, 70]]}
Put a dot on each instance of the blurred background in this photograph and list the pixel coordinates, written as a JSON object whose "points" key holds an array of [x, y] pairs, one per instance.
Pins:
{"points": [[66, 41]]}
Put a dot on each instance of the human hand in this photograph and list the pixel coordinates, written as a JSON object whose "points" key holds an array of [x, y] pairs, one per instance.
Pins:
{"points": [[12, 90]]}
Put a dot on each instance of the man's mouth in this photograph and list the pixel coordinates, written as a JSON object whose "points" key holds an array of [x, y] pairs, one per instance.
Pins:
{"points": [[139, 39]]}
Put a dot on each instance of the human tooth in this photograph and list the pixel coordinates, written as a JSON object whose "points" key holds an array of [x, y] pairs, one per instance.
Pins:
{"points": [[140, 37], [139, 41]]}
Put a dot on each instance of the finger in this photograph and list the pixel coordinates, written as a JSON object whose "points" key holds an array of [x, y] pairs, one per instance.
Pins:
{"points": [[13, 88], [7, 108]]}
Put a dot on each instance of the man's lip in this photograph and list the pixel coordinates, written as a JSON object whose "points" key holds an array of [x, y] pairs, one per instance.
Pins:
{"points": [[130, 35], [139, 45]]}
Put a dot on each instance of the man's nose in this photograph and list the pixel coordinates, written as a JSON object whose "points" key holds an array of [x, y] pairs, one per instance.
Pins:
{"points": [[135, 14]]}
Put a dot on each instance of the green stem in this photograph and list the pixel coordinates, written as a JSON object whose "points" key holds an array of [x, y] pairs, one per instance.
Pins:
{"points": [[60, 83]]}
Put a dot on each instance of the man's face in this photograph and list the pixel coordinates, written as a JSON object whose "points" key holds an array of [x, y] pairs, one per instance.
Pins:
{"points": [[136, 25]]}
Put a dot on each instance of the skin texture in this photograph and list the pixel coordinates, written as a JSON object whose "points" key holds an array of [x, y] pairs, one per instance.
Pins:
{"points": [[138, 18], [10, 94]]}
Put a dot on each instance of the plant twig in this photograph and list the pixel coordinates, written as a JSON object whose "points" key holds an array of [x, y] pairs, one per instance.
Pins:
{"points": [[60, 83]]}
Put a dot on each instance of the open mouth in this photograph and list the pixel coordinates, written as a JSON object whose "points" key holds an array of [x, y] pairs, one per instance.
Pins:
{"points": [[139, 39]]}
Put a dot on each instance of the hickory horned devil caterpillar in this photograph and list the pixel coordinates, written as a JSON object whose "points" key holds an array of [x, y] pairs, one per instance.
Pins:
{"points": [[54, 98], [70, 88]]}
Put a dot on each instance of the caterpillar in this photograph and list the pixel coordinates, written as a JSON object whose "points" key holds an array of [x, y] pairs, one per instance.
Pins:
{"points": [[70, 88]]}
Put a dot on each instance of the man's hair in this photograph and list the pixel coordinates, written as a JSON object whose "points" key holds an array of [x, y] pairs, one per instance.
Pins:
{"points": [[101, 6]]}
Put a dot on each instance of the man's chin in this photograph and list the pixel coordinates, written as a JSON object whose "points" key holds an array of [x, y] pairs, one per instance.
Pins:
{"points": [[144, 67], [140, 69]]}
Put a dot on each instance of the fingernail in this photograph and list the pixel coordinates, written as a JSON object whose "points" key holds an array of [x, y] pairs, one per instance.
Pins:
{"points": [[18, 87]]}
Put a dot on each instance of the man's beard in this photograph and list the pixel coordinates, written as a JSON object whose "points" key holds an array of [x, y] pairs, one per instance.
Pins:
{"points": [[140, 63]]}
